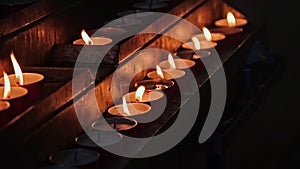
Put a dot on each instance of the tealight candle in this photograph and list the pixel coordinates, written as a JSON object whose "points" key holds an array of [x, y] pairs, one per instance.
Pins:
{"points": [[141, 95], [19, 78], [195, 44], [4, 105], [231, 21], [208, 36], [87, 40], [170, 73], [177, 63], [129, 109], [8, 92]]}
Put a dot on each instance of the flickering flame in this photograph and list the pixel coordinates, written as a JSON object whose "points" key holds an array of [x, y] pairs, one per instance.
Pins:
{"points": [[139, 93], [17, 69], [196, 42], [6, 93], [231, 19], [159, 72], [171, 61], [125, 107], [87, 40], [207, 34]]}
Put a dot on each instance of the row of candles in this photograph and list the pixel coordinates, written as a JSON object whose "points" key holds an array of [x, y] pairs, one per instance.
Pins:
{"points": [[135, 103], [16, 85]]}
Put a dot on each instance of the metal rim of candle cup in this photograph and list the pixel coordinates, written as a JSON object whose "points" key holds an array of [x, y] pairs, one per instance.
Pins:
{"points": [[224, 23], [106, 41], [187, 63], [157, 85], [206, 44], [227, 31], [219, 36], [167, 74], [16, 91], [114, 109], [190, 54], [74, 157], [130, 95], [114, 121], [12, 78]]}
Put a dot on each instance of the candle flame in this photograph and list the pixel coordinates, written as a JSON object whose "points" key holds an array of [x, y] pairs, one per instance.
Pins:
{"points": [[171, 61], [87, 40], [207, 34], [139, 93], [125, 107], [17, 69], [231, 19], [6, 93], [159, 72], [196, 42]]}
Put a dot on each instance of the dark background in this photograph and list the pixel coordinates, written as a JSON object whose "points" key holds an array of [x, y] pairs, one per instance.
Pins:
{"points": [[270, 138]]}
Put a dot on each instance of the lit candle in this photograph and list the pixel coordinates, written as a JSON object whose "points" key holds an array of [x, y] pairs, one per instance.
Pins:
{"points": [[129, 109], [143, 95], [208, 36], [178, 63], [87, 40], [195, 44], [158, 83], [169, 73], [19, 78], [231, 21], [8, 92]]}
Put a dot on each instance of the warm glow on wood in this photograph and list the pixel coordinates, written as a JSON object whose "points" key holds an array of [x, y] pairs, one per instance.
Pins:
{"points": [[87, 40], [17, 69], [231, 19]]}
